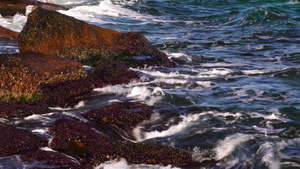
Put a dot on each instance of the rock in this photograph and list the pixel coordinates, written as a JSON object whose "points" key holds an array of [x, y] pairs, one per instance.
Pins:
{"points": [[53, 33], [63, 93], [17, 82], [51, 159], [111, 73], [91, 148], [6, 33], [11, 7], [21, 74], [125, 115], [21, 109], [14, 140]]}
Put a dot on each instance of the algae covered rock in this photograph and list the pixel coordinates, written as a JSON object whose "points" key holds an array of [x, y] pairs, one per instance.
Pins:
{"points": [[14, 140], [125, 115], [21, 74], [53, 33], [109, 72], [91, 148]]}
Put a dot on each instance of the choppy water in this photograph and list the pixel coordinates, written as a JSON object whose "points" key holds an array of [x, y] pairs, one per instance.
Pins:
{"points": [[235, 100]]}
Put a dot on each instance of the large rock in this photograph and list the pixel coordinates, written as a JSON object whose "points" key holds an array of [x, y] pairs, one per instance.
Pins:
{"points": [[91, 148], [14, 140], [11, 7], [21, 74], [53, 33], [5, 33]]}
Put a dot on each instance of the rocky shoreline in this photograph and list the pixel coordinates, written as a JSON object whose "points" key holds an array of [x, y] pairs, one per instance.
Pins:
{"points": [[48, 72]]}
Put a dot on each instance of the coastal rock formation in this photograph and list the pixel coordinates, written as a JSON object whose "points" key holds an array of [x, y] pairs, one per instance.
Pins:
{"points": [[14, 140], [125, 115], [5, 33], [91, 148], [21, 74], [11, 7], [53, 33]]}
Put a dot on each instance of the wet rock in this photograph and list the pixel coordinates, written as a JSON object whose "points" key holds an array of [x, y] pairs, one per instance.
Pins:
{"points": [[125, 115], [111, 73], [14, 140], [105, 73], [22, 109], [6, 33], [11, 7], [91, 148], [51, 32], [21, 74], [50, 159], [62, 93]]}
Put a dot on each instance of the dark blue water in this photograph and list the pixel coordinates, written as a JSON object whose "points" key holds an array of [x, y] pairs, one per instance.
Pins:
{"points": [[236, 99]]}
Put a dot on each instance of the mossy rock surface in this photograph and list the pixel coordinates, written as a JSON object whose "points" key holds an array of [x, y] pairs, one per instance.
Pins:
{"points": [[21, 74], [53, 33]]}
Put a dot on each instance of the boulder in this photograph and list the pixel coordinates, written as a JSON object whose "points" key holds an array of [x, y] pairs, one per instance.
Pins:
{"points": [[11, 7], [125, 115], [91, 148], [21, 74], [53, 33], [6, 33], [14, 140]]}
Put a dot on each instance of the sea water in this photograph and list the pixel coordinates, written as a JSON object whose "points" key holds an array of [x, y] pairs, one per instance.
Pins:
{"points": [[235, 100]]}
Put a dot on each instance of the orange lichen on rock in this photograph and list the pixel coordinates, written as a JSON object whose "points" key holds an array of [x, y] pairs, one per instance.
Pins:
{"points": [[21, 74], [6, 33], [53, 33]]}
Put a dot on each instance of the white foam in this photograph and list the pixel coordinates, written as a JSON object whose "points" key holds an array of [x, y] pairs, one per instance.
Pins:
{"points": [[180, 55], [79, 105], [229, 144], [123, 164], [293, 2], [185, 123], [254, 72], [15, 23], [105, 8], [140, 93], [270, 155]]}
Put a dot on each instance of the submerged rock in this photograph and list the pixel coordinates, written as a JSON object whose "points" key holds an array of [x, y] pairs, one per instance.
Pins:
{"points": [[6, 33], [11, 7], [91, 148], [14, 140], [125, 115], [50, 159], [53, 33], [21, 74]]}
